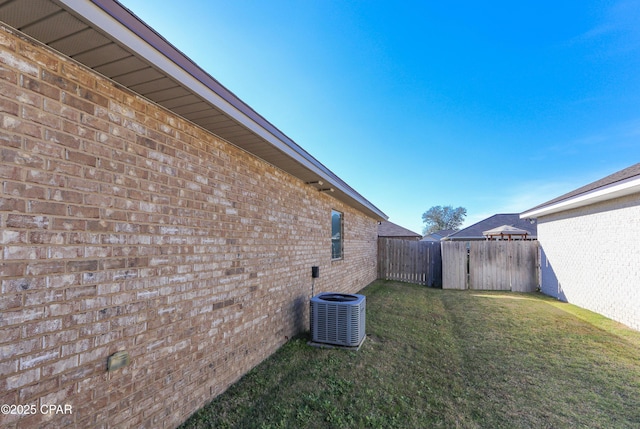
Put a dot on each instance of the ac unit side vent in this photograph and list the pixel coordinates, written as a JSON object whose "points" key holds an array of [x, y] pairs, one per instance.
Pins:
{"points": [[338, 319]]}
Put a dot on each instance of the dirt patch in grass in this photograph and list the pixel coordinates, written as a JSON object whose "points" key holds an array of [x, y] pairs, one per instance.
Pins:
{"points": [[447, 359]]}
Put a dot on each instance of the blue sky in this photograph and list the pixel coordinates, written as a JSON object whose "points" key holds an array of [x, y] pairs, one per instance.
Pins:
{"points": [[494, 106]]}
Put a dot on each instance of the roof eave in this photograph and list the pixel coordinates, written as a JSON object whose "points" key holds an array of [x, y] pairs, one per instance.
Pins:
{"points": [[113, 19], [615, 190]]}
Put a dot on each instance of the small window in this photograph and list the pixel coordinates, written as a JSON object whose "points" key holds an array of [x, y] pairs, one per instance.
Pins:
{"points": [[336, 235]]}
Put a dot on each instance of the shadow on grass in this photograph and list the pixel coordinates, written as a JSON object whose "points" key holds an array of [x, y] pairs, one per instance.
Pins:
{"points": [[444, 359]]}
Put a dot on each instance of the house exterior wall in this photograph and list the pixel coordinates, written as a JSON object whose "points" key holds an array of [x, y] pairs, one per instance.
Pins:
{"points": [[126, 228], [590, 258]]}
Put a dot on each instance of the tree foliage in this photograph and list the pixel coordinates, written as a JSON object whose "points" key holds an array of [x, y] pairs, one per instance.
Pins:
{"points": [[438, 218]]}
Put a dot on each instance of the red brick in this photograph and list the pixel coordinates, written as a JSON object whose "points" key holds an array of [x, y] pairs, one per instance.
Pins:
{"points": [[60, 366], [63, 139], [12, 269], [76, 73], [21, 158], [83, 184], [42, 296], [65, 168], [44, 268], [23, 284], [39, 87], [15, 61], [84, 212], [94, 122], [48, 208], [19, 317], [36, 55], [32, 393], [59, 309], [98, 353], [27, 221], [99, 200], [45, 178], [20, 126], [10, 140], [65, 252], [8, 75], [10, 301], [63, 280], [81, 158], [58, 81], [103, 181], [8, 106], [46, 237], [79, 373], [40, 117], [35, 360], [10, 335], [24, 190], [23, 252], [12, 204], [77, 103], [37, 329], [93, 97], [69, 224], [75, 129], [81, 291], [22, 379], [61, 111]]}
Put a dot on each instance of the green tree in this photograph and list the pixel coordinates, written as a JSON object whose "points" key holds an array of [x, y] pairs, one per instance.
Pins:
{"points": [[438, 217]]}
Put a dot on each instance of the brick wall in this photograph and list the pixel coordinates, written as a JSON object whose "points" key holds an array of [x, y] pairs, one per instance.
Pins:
{"points": [[124, 227], [591, 258]]}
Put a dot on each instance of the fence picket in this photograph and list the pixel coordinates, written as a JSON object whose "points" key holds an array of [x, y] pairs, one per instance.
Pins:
{"points": [[454, 265], [410, 261], [479, 265]]}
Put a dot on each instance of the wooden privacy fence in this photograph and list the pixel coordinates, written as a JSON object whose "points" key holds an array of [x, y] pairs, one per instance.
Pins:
{"points": [[490, 265], [410, 261], [454, 264]]}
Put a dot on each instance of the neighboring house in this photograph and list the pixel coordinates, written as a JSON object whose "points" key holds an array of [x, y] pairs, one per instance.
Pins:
{"points": [[506, 232], [438, 235], [388, 229], [145, 209], [477, 230], [590, 246]]}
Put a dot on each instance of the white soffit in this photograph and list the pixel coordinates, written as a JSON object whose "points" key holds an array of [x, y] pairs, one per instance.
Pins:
{"points": [[110, 25], [103, 20]]}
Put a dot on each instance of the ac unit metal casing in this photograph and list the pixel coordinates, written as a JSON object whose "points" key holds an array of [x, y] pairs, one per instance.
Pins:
{"points": [[338, 319]]}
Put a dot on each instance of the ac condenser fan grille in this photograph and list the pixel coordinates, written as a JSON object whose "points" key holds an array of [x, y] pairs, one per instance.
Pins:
{"points": [[338, 319]]}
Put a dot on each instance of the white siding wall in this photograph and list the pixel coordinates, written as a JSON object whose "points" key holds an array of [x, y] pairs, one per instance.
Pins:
{"points": [[591, 258]]}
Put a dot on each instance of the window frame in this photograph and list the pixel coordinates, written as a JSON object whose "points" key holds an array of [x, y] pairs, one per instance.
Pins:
{"points": [[339, 241]]}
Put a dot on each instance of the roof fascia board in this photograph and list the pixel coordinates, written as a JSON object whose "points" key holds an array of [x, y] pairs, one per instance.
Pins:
{"points": [[111, 25], [615, 190], [108, 17]]}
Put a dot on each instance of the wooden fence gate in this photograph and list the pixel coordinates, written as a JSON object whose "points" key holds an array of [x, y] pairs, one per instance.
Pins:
{"points": [[490, 265], [410, 261]]}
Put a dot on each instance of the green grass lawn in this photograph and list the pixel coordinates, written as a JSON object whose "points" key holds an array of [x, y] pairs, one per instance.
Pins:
{"points": [[447, 359]]}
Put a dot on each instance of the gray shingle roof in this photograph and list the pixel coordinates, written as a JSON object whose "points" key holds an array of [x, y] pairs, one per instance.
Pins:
{"points": [[438, 235], [390, 229], [474, 232], [618, 176]]}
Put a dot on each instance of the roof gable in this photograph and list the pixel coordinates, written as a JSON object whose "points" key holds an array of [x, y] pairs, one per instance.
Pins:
{"points": [[390, 229], [475, 231], [438, 235], [620, 183]]}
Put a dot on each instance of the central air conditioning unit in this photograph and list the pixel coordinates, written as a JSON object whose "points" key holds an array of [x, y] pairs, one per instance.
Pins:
{"points": [[338, 319]]}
